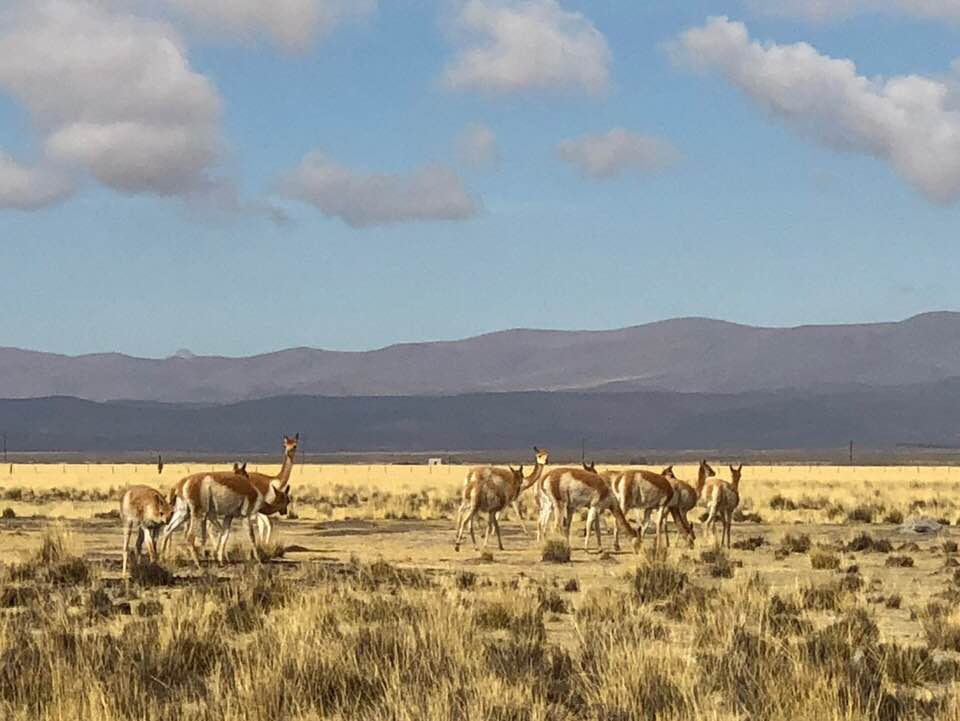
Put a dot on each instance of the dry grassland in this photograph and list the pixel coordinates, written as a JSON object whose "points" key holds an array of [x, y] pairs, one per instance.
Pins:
{"points": [[824, 609]]}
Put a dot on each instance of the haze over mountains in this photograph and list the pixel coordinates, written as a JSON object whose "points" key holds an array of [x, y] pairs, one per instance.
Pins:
{"points": [[691, 355]]}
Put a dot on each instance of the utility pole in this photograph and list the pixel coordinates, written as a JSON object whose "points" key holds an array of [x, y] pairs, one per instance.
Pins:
{"points": [[583, 450], [4, 447], [851, 453]]}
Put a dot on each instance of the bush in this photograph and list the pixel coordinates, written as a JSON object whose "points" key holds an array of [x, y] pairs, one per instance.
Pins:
{"points": [[795, 544], [555, 551], [8, 513], [866, 542], [658, 580], [899, 562], [894, 517], [749, 544], [151, 574], [782, 503], [824, 561], [863, 513]]}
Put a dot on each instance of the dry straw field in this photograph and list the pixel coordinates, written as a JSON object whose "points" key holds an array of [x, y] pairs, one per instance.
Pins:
{"points": [[825, 607]]}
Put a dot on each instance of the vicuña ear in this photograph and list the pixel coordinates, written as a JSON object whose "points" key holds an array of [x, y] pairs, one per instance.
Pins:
{"points": [[297, 436], [740, 468], [244, 467]]}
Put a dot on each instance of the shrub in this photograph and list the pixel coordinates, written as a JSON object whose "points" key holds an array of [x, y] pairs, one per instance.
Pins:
{"points": [[949, 547], [782, 503], [8, 513], [749, 544], [895, 517], [862, 514], [555, 551], [464, 580], [824, 561], [899, 562], [795, 544], [866, 542], [151, 574], [657, 581]]}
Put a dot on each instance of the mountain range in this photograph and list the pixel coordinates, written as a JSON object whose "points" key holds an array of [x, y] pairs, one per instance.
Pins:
{"points": [[686, 355]]}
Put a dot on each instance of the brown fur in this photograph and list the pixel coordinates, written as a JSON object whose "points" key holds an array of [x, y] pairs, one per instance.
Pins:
{"points": [[488, 477], [142, 509], [685, 497], [564, 490], [647, 491], [722, 499]]}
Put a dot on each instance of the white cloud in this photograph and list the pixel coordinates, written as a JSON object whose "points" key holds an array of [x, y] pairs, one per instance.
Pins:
{"points": [[610, 154], [530, 44], [114, 94], [291, 24], [28, 188], [361, 198], [909, 121], [823, 10], [477, 146]]}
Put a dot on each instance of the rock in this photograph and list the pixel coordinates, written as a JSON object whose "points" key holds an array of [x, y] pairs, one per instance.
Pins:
{"points": [[920, 524]]}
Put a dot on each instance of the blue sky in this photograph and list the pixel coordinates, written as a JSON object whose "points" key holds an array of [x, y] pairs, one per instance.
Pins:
{"points": [[756, 183]]}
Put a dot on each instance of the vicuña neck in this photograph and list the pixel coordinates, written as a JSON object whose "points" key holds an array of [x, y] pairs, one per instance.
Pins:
{"points": [[284, 475], [534, 476], [701, 479]]}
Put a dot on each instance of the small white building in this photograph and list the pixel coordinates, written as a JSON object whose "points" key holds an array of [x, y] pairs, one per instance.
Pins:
{"points": [[434, 461]]}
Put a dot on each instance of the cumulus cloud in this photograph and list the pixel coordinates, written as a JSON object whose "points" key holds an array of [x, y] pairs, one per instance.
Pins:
{"points": [[290, 24], [27, 188], [610, 154], [113, 93], [527, 44], [362, 198], [477, 146], [822, 10], [910, 121]]}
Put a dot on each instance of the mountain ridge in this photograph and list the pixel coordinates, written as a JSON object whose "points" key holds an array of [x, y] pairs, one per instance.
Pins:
{"points": [[691, 354]]}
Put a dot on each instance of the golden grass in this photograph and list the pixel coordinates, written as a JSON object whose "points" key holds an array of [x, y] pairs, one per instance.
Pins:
{"points": [[368, 640], [777, 493]]}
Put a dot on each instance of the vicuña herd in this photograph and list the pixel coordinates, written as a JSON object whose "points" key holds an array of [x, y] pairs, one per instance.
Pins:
{"points": [[561, 492], [218, 498]]}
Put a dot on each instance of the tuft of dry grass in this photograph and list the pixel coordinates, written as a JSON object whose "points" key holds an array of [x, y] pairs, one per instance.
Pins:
{"points": [[866, 542], [795, 544], [555, 551], [824, 561]]}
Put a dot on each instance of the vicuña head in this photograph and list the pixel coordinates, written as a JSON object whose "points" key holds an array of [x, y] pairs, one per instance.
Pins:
{"points": [[735, 474], [668, 473], [592, 467], [239, 470], [164, 509], [517, 473], [543, 455], [290, 445]]}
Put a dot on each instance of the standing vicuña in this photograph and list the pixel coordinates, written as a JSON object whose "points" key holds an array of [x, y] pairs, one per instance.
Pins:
{"points": [[685, 497], [722, 500], [219, 498], [490, 493], [145, 511], [501, 476], [262, 482], [647, 491], [563, 491]]}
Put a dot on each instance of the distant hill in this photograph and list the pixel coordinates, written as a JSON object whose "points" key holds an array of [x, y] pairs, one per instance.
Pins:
{"points": [[878, 417], [690, 355]]}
